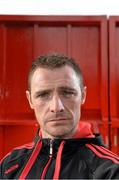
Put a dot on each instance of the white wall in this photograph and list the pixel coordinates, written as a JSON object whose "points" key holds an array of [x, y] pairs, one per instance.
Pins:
{"points": [[60, 7]]}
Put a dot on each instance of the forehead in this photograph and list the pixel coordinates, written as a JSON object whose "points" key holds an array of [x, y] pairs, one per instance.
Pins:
{"points": [[56, 77]]}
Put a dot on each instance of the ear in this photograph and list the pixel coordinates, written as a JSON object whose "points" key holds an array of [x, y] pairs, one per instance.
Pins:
{"points": [[28, 95], [84, 94]]}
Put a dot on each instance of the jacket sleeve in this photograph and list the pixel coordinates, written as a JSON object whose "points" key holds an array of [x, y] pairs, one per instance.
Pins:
{"points": [[1, 171], [107, 170]]}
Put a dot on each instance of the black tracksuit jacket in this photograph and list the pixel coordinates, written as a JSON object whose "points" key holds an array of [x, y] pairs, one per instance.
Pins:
{"points": [[77, 158]]}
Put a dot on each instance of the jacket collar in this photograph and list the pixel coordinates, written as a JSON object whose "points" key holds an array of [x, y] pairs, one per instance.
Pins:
{"points": [[83, 136]]}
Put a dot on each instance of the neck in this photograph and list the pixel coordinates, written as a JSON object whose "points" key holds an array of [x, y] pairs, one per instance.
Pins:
{"points": [[64, 136]]}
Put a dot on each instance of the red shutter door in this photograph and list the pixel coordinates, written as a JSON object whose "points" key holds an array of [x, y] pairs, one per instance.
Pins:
{"points": [[19, 54], [84, 38], [114, 81], [2, 73]]}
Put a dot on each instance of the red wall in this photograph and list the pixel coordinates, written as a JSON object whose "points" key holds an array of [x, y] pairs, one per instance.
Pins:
{"points": [[24, 37], [114, 81]]}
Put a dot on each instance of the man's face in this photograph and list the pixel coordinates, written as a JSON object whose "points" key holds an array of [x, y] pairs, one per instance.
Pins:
{"points": [[56, 99]]}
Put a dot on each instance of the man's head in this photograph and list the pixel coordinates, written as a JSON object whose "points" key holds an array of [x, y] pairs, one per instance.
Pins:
{"points": [[56, 92], [55, 61]]}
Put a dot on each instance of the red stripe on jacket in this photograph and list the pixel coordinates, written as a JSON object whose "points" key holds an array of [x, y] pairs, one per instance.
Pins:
{"points": [[11, 168], [27, 146], [99, 154], [106, 151]]}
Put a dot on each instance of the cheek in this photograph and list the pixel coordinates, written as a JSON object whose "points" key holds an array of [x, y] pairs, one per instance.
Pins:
{"points": [[75, 108], [39, 103], [75, 104], [40, 108]]}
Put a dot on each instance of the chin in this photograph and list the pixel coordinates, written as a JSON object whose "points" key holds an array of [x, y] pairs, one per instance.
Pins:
{"points": [[61, 134]]}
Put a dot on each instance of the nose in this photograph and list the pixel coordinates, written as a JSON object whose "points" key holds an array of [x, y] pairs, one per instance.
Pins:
{"points": [[56, 104]]}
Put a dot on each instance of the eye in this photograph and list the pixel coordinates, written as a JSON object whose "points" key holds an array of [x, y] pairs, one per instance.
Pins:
{"points": [[43, 95], [68, 94]]}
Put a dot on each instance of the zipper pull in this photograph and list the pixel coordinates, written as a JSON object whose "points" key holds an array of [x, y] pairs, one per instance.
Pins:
{"points": [[51, 148]]}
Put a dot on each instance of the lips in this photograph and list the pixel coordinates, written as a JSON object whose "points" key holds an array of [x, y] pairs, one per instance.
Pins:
{"points": [[58, 119]]}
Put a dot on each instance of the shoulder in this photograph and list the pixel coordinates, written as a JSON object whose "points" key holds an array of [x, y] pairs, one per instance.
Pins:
{"points": [[102, 162], [18, 152], [102, 153], [17, 157]]}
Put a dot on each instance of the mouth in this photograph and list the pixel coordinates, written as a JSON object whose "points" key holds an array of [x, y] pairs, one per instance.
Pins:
{"points": [[58, 119]]}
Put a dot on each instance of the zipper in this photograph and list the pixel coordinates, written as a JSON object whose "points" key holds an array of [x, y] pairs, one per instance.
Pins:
{"points": [[49, 161], [51, 148]]}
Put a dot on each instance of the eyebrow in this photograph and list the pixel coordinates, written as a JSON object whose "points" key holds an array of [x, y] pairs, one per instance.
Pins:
{"points": [[41, 91], [60, 88], [67, 88]]}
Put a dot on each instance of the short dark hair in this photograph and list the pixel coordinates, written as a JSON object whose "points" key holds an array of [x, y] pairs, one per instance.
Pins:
{"points": [[53, 61]]}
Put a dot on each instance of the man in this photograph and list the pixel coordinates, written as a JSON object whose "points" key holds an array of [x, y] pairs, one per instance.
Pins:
{"points": [[63, 148]]}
